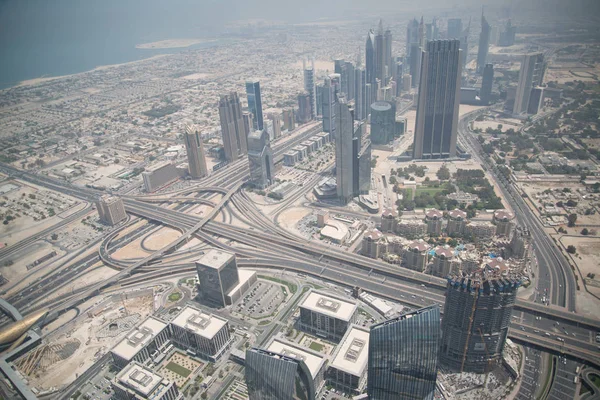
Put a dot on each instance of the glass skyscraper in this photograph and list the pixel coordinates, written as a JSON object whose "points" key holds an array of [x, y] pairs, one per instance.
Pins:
{"points": [[255, 104], [403, 355]]}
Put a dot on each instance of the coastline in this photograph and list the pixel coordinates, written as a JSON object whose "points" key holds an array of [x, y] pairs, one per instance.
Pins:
{"points": [[172, 44]]}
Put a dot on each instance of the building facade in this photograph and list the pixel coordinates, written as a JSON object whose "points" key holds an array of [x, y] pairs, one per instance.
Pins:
{"points": [[484, 44], [111, 209], [139, 344], [255, 104], [486, 84], [344, 154], [218, 275], [383, 122], [137, 382], [348, 368], [327, 315], [159, 175], [260, 159], [233, 130], [195, 153], [531, 75], [310, 87]]}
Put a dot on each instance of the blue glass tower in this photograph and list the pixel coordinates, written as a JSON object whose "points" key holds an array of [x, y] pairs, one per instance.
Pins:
{"points": [[403, 354], [255, 104]]}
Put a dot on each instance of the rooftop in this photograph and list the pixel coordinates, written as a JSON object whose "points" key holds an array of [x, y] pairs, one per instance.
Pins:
{"points": [[138, 338], [434, 214], [329, 305], [503, 215], [418, 245], [139, 378], [335, 230], [457, 214], [199, 322], [353, 352], [244, 276], [374, 235], [215, 258], [157, 166], [312, 360]]}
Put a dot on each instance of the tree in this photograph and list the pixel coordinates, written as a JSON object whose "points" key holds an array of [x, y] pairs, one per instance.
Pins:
{"points": [[571, 203], [585, 231], [443, 173], [572, 218], [571, 249], [392, 180], [54, 236]]}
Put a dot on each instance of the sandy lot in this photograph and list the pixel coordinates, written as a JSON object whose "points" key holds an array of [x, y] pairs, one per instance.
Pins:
{"points": [[587, 258], [161, 238], [132, 250], [290, 217]]}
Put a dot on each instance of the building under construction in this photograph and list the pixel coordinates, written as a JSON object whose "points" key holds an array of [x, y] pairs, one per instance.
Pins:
{"points": [[475, 324]]}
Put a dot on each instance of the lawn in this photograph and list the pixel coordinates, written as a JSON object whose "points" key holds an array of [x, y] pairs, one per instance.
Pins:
{"points": [[316, 346], [596, 379], [292, 287], [178, 369], [431, 190], [176, 296]]}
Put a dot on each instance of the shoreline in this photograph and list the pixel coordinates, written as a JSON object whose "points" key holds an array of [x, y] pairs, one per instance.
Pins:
{"points": [[172, 44]]}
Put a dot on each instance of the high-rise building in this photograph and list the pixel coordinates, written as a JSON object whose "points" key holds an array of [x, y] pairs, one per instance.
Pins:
{"points": [[360, 95], [383, 122], [414, 64], [403, 354], [346, 73], [274, 376], [304, 109], [455, 30], [309, 87], [348, 368], [464, 44], [111, 209], [289, 119], [421, 37], [484, 44], [371, 74], [329, 109], [412, 36], [139, 345], [326, 314], [159, 175], [218, 275], [387, 53], [195, 153], [476, 318], [380, 54], [486, 84], [507, 35], [138, 382], [319, 99], [232, 127], [260, 158], [531, 76], [397, 73], [276, 121], [437, 109], [344, 160], [255, 104]]}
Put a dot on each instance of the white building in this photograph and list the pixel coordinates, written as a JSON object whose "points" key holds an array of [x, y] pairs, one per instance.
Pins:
{"points": [[327, 315], [138, 382], [348, 369], [139, 344]]}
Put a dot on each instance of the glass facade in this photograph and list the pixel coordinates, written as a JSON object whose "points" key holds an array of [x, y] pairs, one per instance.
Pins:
{"points": [[403, 355], [255, 104]]}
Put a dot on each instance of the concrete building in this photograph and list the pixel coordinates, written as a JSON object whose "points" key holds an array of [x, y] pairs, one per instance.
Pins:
{"points": [[289, 119], [531, 75], [195, 153], [457, 221], [443, 262], [470, 261], [336, 231], [137, 382], [520, 243], [139, 344], [455, 29], [434, 219], [383, 121], [304, 109], [111, 209], [159, 175], [260, 159], [476, 318], [389, 221], [247, 279], [437, 109], [348, 369], [233, 128], [344, 155], [322, 218], [507, 35], [327, 315], [486, 84], [503, 219], [310, 87], [276, 122], [415, 256], [372, 245], [255, 105], [411, 227], [480, 230], [290, 158], [218, 275], [484, 44], [204, 334], [329, 99]]}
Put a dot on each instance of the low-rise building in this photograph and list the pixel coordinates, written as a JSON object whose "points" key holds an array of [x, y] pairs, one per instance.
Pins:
{"points": [[136, 382], [139, 344], [348, 369], [327, 315]]}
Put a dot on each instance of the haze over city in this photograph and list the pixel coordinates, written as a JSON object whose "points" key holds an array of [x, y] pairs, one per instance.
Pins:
{"points": [[320, 200]]}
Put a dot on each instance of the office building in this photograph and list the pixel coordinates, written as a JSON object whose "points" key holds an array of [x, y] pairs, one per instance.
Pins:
{"points": [[141, 342], [205, 335], [507, 35], [195, 153], [218, 275], [260, 159], [403, 354], [414, 65], [276, 121], [383, 122], [137, 382], [477, 314], [412, 36], [348, 369], [536, 100], [248, 120], [159, 175], [360, 94], [345, 70], [383, 54], [326, 315], [520, 243], [273, 376], [371, 74], [503, 219], [455, 29], [457, 221], [111, 210], [486, 84], [397, 74], [233, 130], [415, 256], [329, 108], [361, 149], [344, 154], [531, 75], [484, 44], [255, 104], [433, 219], [289, 119], [437, 108], [304, 108], [310, 88]]}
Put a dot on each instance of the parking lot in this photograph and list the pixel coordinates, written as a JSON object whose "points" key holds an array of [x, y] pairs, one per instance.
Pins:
{"points": [[261, 300]]}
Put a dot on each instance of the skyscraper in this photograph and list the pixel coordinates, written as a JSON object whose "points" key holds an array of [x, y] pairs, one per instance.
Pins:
{"points": [[412, 35], [328, 107], [195, 153], [260, 159], [309, 87], [383, 122], [403, 355], [437, 109], [344, 160], [415, 59], [380, 54], [486, 84], [370, 58], [507, 35], [464, 44], [346, 72], [531, 75], [387, 53], [273, 376], [360, 92], [484, 44], [255, 104], [304, 108], [232, 126], [455, 30], [476, 319], [218, 274]]}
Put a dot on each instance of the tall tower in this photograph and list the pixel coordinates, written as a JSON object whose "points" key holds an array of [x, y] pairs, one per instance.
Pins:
{"points": [[260, 159], [454, 28], [309, 87], [412, 35], [421, 33], [486, 84], [329, 109], [344, 160], [439, 94], [531, 75], [360, 99], [370, 63], [387, 53], [484, 44], [464, 44], [403, 355], [255, 104], [232, 126], [380, 62], [476, 319], [195, 153]]}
